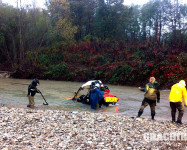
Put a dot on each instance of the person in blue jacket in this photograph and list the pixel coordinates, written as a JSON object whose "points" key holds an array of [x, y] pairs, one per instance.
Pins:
{"points": [[96, 95]]}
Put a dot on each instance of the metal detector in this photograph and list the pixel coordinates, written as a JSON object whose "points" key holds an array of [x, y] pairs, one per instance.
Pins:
{"points": [[46, 103]]}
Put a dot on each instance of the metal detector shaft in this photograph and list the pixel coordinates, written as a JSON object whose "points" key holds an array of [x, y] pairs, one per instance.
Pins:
{"points": [[43, 98]]}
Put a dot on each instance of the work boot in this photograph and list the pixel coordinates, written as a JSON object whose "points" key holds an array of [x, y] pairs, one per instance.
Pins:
{"points": [[139, 114], [153, 116], [180, 117], [179, 122]]}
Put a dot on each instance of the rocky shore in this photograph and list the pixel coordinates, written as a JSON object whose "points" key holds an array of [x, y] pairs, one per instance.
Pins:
{"points": [[31, 129]]}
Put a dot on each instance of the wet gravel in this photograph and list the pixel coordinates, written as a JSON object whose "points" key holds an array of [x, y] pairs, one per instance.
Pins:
{"points": [[31, 129]]}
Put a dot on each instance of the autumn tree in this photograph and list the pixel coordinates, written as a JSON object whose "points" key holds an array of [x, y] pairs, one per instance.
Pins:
{"points": [[8, 32], [64, 31]]}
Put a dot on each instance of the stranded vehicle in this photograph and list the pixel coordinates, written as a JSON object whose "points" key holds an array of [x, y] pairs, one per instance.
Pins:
{"points": [[108, 98]]}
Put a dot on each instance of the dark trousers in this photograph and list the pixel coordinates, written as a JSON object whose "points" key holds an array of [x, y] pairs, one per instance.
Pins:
{"points": [[145, 103], [177, 106]]}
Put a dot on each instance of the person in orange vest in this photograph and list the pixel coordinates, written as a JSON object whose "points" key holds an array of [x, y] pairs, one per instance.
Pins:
{"points": [[177, 93]]}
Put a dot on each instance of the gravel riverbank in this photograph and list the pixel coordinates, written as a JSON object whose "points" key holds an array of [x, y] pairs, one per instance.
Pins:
{"points": [[26, 129]]}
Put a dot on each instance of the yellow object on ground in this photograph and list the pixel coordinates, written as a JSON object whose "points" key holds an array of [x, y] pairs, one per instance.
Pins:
{"points": [[110, 99]]}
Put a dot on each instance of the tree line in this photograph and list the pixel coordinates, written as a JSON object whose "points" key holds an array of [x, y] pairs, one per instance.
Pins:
{"points": [[68, 27]]}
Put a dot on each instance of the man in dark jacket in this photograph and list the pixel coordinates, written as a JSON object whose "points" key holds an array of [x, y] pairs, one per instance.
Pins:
{"points": [[152, 94], [32, 90]]}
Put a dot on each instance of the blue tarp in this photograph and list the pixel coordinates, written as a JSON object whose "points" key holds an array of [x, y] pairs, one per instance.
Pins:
{"points": [[95, 97]]}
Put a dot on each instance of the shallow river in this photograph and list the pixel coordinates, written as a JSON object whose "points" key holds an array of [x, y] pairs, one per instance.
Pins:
{"points": [[13, 92]]}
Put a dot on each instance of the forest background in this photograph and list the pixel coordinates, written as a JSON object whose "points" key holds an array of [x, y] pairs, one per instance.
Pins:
{"points": [[80, 40]]}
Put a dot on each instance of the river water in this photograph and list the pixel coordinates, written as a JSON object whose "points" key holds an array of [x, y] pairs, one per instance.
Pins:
{"points": [[13, 93]]}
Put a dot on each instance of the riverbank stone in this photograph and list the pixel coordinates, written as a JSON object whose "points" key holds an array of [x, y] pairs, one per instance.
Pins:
{"points": [[23, 128]]}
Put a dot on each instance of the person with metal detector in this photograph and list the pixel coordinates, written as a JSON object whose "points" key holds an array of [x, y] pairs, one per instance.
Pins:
{"points": [[32, 90]]}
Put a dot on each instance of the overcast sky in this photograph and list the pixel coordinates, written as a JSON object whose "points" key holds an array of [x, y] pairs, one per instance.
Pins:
{"points": [[40, 3]]}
